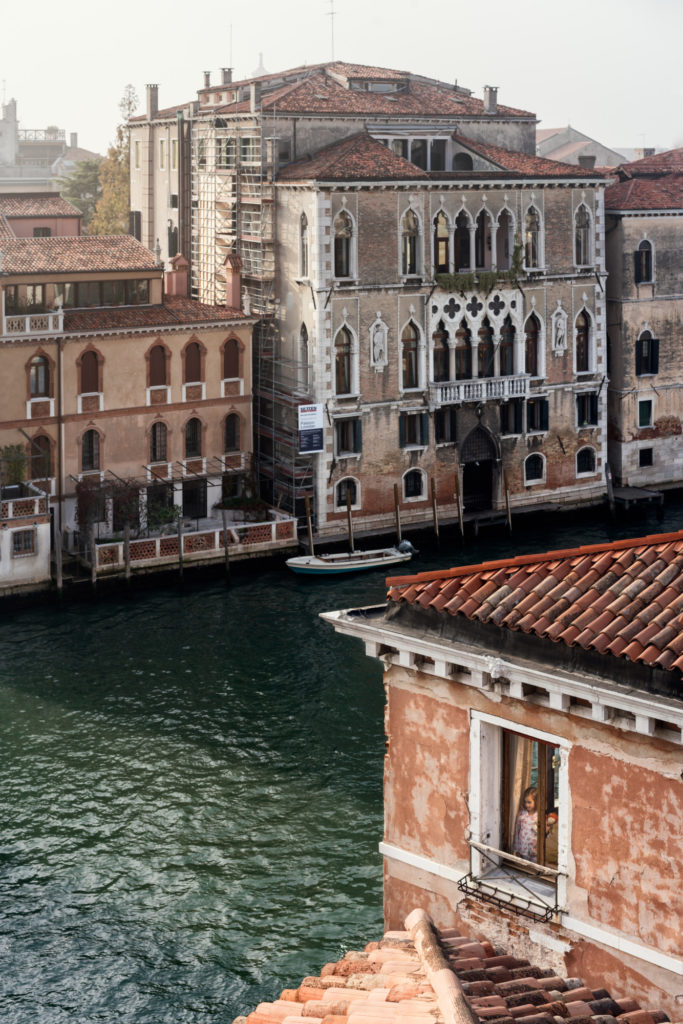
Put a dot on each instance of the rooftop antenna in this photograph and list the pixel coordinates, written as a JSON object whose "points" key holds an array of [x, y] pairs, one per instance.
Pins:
{"points": [[330, 15]]}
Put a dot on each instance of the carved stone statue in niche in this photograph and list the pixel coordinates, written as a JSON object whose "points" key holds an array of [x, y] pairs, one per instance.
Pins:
{"points": [[559, 319], [378, 344]]}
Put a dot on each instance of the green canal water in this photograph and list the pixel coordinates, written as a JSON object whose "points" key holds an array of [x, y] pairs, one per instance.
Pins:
{"points": [[191, 790]]}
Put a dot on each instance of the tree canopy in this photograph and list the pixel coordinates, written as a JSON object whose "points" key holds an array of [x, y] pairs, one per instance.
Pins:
{"points": [[82, 188], [111, 211]]}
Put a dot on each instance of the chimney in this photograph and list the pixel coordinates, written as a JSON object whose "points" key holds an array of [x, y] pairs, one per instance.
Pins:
{"points": [[207, 79], [73, 140], [175, 280], [226, 76], [587, 161], [152, 101], [490, 99], [233, 281], [255, 96]]}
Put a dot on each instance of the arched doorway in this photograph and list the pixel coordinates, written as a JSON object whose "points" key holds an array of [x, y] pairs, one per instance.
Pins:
{"points": [[478, 456]]}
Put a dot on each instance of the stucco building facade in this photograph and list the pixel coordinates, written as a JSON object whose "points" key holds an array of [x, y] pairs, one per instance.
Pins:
{"points": [[537, 689], [644, 220], [424, 277]]}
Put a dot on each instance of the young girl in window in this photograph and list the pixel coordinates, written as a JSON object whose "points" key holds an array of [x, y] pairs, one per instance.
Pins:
{"points": [[526, 826]]}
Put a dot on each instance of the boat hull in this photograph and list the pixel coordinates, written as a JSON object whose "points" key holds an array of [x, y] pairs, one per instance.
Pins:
{"points": [[334, 565]]}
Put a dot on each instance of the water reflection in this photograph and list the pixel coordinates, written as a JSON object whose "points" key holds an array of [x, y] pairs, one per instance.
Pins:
{"points": [[190, 788]]}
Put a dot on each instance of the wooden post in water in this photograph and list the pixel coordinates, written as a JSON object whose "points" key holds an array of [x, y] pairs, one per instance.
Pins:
{"points": [[349, 518], [224, 515], [58, 562], [397, 513], [93, 556], [610, 488], [180, 548], [309, 525], [126, 550], [459, 506], [435, 512], [508, 511]]}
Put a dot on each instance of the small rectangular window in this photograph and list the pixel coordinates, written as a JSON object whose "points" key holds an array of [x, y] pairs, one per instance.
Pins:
{"points": [[645, 413], [135, 224], [445, 425], [587, 410], [136, 151], [174, 154], [42, 232], [413, 429], [536, 414], [137, 292], [162, 154], [23, 543], [67, 293], [347, 434], [173, 200], [530, 793], [645, 457], [512, 416]]}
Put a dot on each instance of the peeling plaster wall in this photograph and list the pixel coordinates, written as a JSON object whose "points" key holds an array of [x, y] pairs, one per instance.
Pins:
{"points": [[626, 826]]}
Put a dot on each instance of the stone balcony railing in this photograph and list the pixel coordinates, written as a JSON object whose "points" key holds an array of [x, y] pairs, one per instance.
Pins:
{"points": [[33, 323], [483, 389]]}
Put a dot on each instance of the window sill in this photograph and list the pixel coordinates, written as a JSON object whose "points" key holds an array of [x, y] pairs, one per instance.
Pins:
{"points": [[417, 497], [534, 483], [414, 447], [348, 455], [345, 282], [588, 476]]}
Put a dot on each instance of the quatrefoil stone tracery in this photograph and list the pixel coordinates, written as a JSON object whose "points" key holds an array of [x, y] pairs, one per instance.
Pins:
{"points": [[452, 307], [474, 306]]}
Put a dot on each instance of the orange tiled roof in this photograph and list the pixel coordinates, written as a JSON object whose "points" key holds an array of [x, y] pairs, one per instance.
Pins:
{"points": [[426, 976], [5, 229], [660, 163], [661, 193], [174, 311], [321, 93], [74, 254], [40, 204], [623, 598], [360, 157], [524, 163]]}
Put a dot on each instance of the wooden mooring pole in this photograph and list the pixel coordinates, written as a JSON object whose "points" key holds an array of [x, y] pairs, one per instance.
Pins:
{"points": [[93, 557], [224, 515], [435, 511], [126, 550], [309, 525], [58, 562], [180, 549], [349, 519], [397, 513], [458, 502]]}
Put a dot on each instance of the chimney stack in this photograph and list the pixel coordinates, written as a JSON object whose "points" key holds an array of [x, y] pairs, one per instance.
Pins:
{"points": [[152, 101], [233, 281], [73, 140], [207, 79], [226, 76], [255, 96], [175, 280], [490, 99]]}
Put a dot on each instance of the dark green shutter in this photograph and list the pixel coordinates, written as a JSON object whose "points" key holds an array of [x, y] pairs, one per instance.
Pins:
{"points": [[424, 428], [358, 435], [594, 408], [544, 414], [518, 406], [402, 430], [639, 358], [654, 360]]}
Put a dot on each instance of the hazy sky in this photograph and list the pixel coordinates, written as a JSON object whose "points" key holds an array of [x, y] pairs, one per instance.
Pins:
{"points": [[611, 68]]}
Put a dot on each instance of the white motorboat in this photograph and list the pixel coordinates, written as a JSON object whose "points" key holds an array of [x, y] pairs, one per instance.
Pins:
{"points": [[351, 561]]}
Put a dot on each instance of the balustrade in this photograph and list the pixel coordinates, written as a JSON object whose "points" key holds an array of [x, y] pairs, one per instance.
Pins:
{"points": [[483, 389]]}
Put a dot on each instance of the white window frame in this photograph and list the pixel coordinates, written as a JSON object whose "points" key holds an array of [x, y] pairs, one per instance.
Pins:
{"points": [[338, 452], [592, 472], [486, 767], [414, 497], [355, 506], [540, 481]]}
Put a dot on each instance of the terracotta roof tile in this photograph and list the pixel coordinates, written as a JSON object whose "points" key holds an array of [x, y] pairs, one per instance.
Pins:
{"points": [[37, 204], [173, 312], [638, 616], [665, 193], [66, 255], [453, 971], [357, 158]]}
